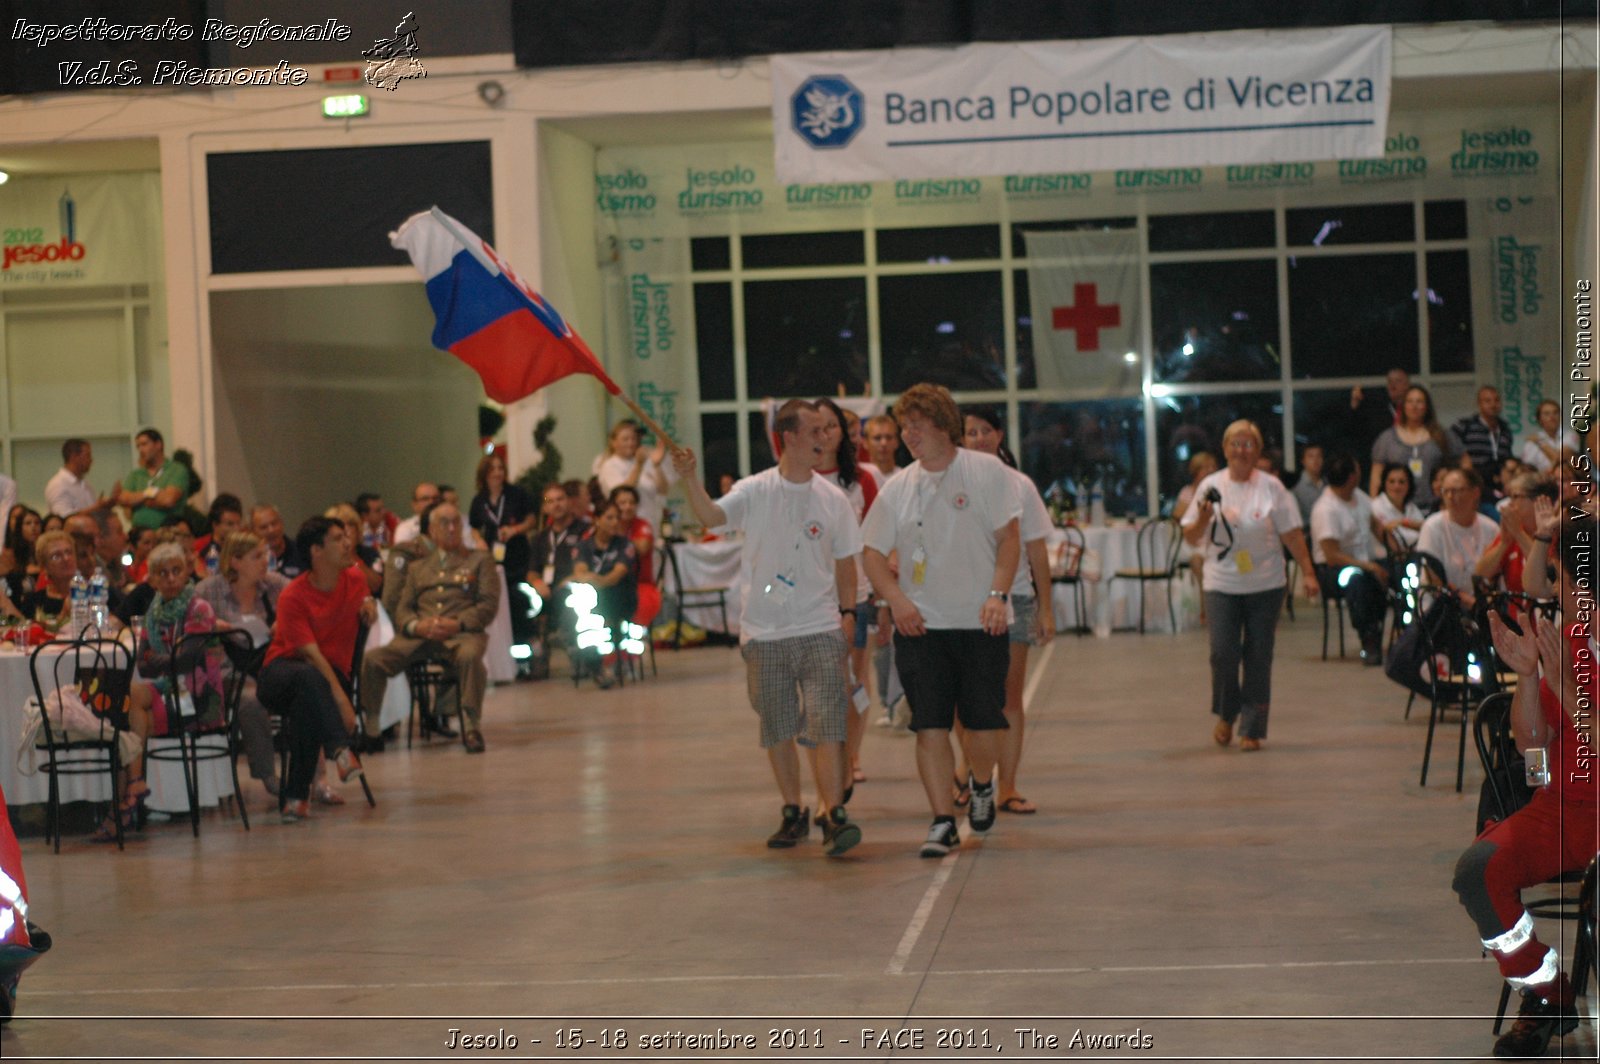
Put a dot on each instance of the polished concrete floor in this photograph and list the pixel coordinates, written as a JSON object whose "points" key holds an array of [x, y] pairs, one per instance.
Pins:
{"points": [[604, 867]]}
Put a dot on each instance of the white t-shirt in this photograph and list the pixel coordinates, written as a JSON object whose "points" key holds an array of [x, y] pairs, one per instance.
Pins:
{"points": [[1348, 522], [1035, 524], [1458, 546], [1386, 511], [614, 469], [1260, 511], [951, 520], [793, 534], [858, 505], [65, 494], [1534, 456], [408, 530]]}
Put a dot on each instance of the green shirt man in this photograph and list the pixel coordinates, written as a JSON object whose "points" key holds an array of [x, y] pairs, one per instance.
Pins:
{"points": [[156, 489]]}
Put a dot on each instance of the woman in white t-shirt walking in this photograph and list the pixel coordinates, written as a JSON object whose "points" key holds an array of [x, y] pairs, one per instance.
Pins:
{"points": [[1241, 520]]}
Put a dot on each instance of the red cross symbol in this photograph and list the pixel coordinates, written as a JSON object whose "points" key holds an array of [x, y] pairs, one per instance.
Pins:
{"points": [[1087, 317]]}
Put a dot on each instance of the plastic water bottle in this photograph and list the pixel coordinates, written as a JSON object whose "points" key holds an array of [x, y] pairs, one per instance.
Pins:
{"points": [[1097, 503], [213, 561], [78, 599], [99, 599]]}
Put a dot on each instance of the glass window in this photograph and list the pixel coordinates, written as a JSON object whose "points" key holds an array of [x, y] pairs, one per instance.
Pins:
{"points": [[1370, 223], [709, 253], [1353, 315], [719, 442], [1323, 416], [943, 244], [1027, 373], [713, 336], [1187, 425], [804, 249], [1449, 312], [761, 453], [1445, 219], [1204, 232], [806, 337], [1215, 321], [1019, 246], [1067, 447], [945, 328]]}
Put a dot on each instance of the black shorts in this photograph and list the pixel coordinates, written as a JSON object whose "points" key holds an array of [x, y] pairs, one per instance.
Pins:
{"points": [[951, 671]]}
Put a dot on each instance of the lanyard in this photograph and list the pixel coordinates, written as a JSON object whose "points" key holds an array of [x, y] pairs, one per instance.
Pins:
{"points": [[498, 513]]}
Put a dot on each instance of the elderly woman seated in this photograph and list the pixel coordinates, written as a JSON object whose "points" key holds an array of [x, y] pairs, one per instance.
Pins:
{"points": [[243, 593]]}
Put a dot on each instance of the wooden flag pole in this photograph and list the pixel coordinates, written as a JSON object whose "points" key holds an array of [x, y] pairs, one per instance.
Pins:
{"points": [[649, 422]]}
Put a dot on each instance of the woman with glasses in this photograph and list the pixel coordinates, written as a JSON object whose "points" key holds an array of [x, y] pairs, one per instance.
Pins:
{"points": [[1241, 520], [1504, 560]]}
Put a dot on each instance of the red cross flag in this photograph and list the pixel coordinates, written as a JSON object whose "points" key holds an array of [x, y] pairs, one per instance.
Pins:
{"points": [[1085, 305]]}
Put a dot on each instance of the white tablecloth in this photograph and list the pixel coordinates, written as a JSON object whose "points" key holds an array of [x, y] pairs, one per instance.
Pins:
{"points": [[1114, 604], [24, 784], [714, 564]]}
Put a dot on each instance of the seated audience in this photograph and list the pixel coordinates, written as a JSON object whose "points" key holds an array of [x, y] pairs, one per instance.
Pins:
{"points": [[555, 552], [176, 611], [243, 594], [369, 559], [1458, 534], [1342, 545], [1502, 562], [1549, 441], [1555, 831], [444, 610], [609, 562], [18, 562], [50, 605], [643, 538], [141, 542], [377, 523], [54, 522], [423, 496], [1483, 438], [225, 516], [1308, 489], [266, 522], [306, 673], [1396, 513], [110, 546]]}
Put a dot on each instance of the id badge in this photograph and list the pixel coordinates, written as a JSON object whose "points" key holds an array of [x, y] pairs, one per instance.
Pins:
{"points": [[1415, 465], [779, 590], [1243, 560], [919, 565], [499, 551], [549, 575]]}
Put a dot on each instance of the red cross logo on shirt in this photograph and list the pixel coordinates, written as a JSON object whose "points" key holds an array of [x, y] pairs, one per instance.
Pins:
{"points": [[813, 531], [1086, 317]]}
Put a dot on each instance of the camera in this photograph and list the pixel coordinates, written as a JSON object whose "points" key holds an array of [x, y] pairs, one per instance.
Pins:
{"points": [[1213, 496]]}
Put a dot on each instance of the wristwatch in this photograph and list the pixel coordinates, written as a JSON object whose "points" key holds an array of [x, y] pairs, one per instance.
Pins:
{"points": [[1001, 595]]}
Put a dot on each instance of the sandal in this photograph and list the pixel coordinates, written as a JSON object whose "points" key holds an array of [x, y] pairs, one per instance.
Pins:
{"points": [[857, 775], [963, 793], [137, 789], [1018, 804]]}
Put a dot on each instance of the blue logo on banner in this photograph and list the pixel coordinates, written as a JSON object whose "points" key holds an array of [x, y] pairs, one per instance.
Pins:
{"points": [[827, 111]]}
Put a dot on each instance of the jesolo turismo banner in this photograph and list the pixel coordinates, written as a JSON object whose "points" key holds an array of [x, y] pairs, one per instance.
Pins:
{"points": [[1187, 100]]}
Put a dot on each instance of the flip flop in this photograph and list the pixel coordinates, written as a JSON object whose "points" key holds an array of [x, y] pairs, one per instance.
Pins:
{"points": [[857, 775], [1018, 804], [963, 793]]}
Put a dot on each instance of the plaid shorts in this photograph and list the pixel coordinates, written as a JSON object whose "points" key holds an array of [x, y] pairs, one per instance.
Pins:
{"points": [[798, 687]]}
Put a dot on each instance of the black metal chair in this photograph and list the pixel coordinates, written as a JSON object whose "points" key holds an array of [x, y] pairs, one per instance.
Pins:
{"points": [[101, 671], [1332, 595], [1504, 792], [1460, 661], [1072, 574], [691, 598], [185, 726], [1155, 562], [285, 736], [432, 679]]}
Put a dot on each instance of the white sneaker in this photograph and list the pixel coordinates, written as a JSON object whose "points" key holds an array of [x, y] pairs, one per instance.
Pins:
{"points": [[980, 813], [942, 838]]}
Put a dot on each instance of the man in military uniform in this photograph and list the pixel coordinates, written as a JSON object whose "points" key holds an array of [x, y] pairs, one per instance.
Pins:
{"points": [[446, 603]]}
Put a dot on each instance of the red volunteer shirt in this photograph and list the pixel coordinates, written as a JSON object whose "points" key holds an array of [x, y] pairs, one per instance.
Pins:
{"points": [[329, 619]]}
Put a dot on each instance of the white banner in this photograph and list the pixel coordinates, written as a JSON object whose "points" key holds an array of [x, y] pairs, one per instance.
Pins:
{"points": [[1185, 100], [1084, 295], [86, 229]]}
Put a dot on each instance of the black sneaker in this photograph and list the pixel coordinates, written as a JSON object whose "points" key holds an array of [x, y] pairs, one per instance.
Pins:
{"points": [[796, 826], [942, 838], [980, 814], [1540, 1019], [838, 834]]}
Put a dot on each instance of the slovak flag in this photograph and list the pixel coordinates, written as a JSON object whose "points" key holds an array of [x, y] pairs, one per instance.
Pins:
{"points": [[489, 317]]}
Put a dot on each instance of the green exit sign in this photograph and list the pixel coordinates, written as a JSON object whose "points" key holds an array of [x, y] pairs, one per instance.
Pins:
{"points": [[344, 106]]}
